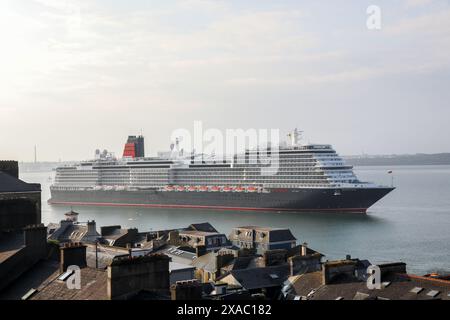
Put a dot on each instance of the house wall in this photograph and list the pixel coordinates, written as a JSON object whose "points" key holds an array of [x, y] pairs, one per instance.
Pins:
{"points": [[17, 210], [35, 248], [181, 275]]}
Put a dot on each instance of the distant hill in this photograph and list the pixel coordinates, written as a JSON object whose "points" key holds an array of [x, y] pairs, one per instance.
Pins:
{"points": [[406, 159]]}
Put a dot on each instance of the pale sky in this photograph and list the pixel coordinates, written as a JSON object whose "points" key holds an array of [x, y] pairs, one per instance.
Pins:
{"points": [[81, 75]]}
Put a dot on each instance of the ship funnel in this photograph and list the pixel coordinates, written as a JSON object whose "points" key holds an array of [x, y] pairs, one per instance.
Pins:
{"points": [[134, 147]]}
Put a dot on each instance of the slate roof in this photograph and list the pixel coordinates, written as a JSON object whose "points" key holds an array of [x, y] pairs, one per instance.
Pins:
{"points": [[93, 287], [105, 255], [298, 249], [198, 233], [397, 287], [257, 278], [115, 234], [206, 262], [241, 262], [303, 284], [273, 234], [10, 243], [71, 232], [204, 226], [281, 235], [177, 254], [36, 276], [11, 184], [174, 266]]}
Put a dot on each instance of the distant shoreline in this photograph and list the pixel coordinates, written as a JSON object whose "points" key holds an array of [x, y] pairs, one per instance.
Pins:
{"points": [[399, 160], [420, 159]]}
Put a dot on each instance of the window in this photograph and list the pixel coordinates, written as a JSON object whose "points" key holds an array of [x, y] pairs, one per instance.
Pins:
{"points": [[433, 293], [416, 290]]}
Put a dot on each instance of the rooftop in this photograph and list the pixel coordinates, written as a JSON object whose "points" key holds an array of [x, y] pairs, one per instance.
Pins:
{"points": [[11, 184], [179, 266], [256, 278], [10, 243], [199, 233], [70, 232], [40, 274], [273, 234], [177, 254], [394, 287], [204, 226], [93, 287]]}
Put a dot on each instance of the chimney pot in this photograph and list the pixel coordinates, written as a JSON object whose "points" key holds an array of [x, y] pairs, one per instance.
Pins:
{"points": [[304, 249]]}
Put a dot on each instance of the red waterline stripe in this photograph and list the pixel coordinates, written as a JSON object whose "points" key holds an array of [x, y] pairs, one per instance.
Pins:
{"points": [[108, 204]]}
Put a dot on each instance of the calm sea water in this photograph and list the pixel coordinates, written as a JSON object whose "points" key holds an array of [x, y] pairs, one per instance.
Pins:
{"points": [[412, 224]]}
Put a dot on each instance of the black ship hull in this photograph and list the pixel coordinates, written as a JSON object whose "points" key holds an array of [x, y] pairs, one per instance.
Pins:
{"points": [[356, 200]]}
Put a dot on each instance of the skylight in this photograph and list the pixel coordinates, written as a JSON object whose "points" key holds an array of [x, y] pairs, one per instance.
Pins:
{"points": [[65, 275], [433, 293], [416, 290]]}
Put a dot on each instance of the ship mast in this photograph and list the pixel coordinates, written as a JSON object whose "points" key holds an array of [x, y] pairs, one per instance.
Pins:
{"points": [[295, 137]]}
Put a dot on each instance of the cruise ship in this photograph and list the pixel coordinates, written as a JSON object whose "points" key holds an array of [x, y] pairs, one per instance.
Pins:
{"points": [[306, 178]]}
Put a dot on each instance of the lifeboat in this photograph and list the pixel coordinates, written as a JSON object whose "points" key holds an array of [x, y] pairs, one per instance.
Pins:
{"points": [[252, 189], [192, 188], [239, 189], [181, 188], [169, 188], [203, 188], [227, 189], [215, 189]]}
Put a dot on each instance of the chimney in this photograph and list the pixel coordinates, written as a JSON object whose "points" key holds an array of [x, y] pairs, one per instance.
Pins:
{"points": [[220, 287], [186, 290], [128, 276], [304, 249], [331, 269], [174, 238], [294, 265], [200, 250], [160, 233], [395, 267], [92, 230], [65, 223], [35, 237], [303, 264], [107, 230], [222, 259], [151, 236], [275, 257], [72, 254], [246, 252]]}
